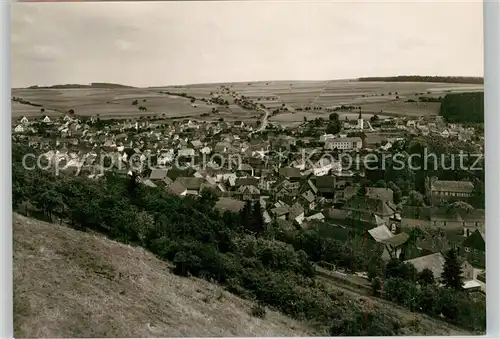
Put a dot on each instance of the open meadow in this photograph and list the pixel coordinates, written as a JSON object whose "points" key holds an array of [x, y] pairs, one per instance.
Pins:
{"points": [[391, 98]]}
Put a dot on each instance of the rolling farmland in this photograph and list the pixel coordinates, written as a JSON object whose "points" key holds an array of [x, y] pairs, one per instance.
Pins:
{"points": [[389, 98]]}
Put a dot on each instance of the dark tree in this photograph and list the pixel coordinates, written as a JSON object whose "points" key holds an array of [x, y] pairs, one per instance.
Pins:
{"points": [[71, 111], [333, 117], [42, 109], [415, 198], [257, 218], [426, 277], [452, 271], [396, 191], [207, 200], [395, 268], [333, 127], [246, 216]]}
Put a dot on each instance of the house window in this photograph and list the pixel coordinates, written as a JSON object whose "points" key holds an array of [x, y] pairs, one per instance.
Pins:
{"points": [[467, 249]]}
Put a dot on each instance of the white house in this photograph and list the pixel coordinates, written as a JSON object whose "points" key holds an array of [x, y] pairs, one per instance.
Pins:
{"points": [[445, 133], [387, 146], [206, 150], [324, 165], [226, 176], [186, 152], [19, 129], [46, 119], [24, 120], [318, 216], [325, 137]]}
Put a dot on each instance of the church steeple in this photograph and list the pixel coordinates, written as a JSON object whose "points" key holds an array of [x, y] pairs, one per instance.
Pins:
{"points": [[360, 120]]}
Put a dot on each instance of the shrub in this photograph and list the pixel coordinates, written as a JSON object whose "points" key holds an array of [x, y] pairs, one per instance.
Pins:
{"points": [[258, 311], [187, 263], [426, 277]]}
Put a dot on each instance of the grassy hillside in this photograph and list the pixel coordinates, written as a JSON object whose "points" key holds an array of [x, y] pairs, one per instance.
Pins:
{"points": [[73, 284], [69, 283]]}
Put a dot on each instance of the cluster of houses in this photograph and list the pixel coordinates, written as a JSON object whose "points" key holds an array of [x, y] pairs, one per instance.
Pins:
{"points": [[187, 157]]}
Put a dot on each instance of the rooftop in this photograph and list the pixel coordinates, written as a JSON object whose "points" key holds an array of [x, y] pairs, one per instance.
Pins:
{"points": [[229, 204], [453, 186]]}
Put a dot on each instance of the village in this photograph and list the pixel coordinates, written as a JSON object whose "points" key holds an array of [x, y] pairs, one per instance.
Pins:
{"points": [[295, 173]]}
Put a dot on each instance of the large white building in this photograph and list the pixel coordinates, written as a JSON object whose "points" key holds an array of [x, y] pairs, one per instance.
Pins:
{"points": [[349, 144]]}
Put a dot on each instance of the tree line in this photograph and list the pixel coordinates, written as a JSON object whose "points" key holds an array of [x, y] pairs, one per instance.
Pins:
{"points": [[419, 78]]}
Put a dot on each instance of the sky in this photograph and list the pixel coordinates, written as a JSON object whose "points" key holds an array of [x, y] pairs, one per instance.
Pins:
{"points": [[173, 43]]}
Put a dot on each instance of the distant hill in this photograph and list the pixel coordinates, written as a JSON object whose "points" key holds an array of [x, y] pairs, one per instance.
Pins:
{"points": [[92, 85], [69, 283], [418, 78]]}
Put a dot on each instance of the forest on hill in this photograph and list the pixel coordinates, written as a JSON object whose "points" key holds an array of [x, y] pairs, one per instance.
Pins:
{"points": [[419, 78], [71, 86], [463, 107]]}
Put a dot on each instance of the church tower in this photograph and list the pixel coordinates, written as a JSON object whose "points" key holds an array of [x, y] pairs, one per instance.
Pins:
{"points": [[360, 120]]}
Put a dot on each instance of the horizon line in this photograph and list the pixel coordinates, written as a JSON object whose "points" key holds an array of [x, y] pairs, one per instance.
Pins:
{"points": [[254, 81]]}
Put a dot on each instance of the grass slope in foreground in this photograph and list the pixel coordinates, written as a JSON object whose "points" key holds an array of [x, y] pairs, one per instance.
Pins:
{"points": [[69, 283]]}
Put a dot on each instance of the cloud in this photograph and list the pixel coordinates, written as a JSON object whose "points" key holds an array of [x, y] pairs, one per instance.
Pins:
{"points": [[124, 45]]}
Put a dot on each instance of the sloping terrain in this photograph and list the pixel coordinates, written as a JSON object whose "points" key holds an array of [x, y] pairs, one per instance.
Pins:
{"points": [[413, 323], [73, 284], [69, 283]]}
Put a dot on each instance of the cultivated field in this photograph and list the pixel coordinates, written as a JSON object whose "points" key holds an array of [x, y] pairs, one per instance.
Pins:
{"points": [[20, 110], [373, 97]]}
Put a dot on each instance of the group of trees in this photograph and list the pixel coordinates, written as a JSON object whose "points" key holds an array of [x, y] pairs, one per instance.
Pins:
{"points": [[463, 107], [136, 102], [400, 283], [429, 156], [251, 218], [430, 99], [334, 125], [418, 78], [25, 102]]}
